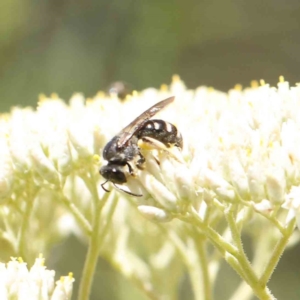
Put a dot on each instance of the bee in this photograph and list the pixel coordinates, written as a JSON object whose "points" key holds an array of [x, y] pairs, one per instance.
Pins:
{"points": [[123, 149], [120, 88]]}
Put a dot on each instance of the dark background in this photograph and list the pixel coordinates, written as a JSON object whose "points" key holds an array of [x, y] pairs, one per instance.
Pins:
{"points": [[84, 45]]}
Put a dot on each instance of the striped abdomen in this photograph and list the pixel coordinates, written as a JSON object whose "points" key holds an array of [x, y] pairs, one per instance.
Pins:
{"points": [[162, 131]]}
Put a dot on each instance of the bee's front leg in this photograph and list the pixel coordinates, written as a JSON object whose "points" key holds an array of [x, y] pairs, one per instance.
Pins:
{"points": [[130, 169], [140, 162]]}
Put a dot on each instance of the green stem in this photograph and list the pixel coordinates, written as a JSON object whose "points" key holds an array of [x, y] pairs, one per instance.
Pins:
{"points": [[234, 256], [261, 255], [274, 221], [22, 241], [109, 218], [271, 217], [211, 234], [279, 249], [89, 268], [81, 220], [200, 281], [94, 242], [261, 291], [241, 257], [201, 246]]}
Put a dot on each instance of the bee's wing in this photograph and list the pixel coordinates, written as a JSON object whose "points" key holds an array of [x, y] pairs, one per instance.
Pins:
{"points": [[136, 124]]}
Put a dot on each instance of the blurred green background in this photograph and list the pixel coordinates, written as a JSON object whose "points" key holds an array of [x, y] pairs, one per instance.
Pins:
{"points": [[83, 45]]}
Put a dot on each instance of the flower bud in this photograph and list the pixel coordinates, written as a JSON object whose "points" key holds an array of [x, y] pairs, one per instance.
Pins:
{"points": [[158, 191], [154, 214], [42, 164]]}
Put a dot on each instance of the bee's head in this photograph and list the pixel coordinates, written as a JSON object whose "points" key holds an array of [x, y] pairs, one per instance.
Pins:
{"points": [[114, 173]]}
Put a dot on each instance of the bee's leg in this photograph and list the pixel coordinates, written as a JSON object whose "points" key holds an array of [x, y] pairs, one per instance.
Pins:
{"points": [[140, 162], [151, 143], [130, 169], [105, 189], [127, 192]]}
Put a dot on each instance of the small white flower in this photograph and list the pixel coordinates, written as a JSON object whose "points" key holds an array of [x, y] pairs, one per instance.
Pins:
{"points": [[275, 185], [292, 204], [159, 191], [154, 213], [42, 164], [264, 206], [20, 283], [64, 288]]}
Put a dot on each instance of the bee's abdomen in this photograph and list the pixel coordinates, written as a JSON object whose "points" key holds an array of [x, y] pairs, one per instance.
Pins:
{"points": [[162, 131]]}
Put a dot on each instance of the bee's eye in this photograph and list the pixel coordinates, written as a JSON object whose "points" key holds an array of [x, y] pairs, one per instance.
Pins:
{"points": [[118, 176], [113, 173]]}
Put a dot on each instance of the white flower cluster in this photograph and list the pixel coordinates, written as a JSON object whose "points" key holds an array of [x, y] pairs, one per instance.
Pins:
{"points": [[19, 283], [240, 158], [243, 147], [238, 146]]}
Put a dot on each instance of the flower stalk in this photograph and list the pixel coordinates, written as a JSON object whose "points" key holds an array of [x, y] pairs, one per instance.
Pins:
{"points": [[95, 239]]}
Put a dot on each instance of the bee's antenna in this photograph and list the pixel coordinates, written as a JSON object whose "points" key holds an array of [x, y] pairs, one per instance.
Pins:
{"points": [[118, 188], [127, 192], [102, 185]]}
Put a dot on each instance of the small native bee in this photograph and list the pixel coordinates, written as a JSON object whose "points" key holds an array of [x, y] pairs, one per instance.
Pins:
{"points": [[120, 88], [123, 148]]}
